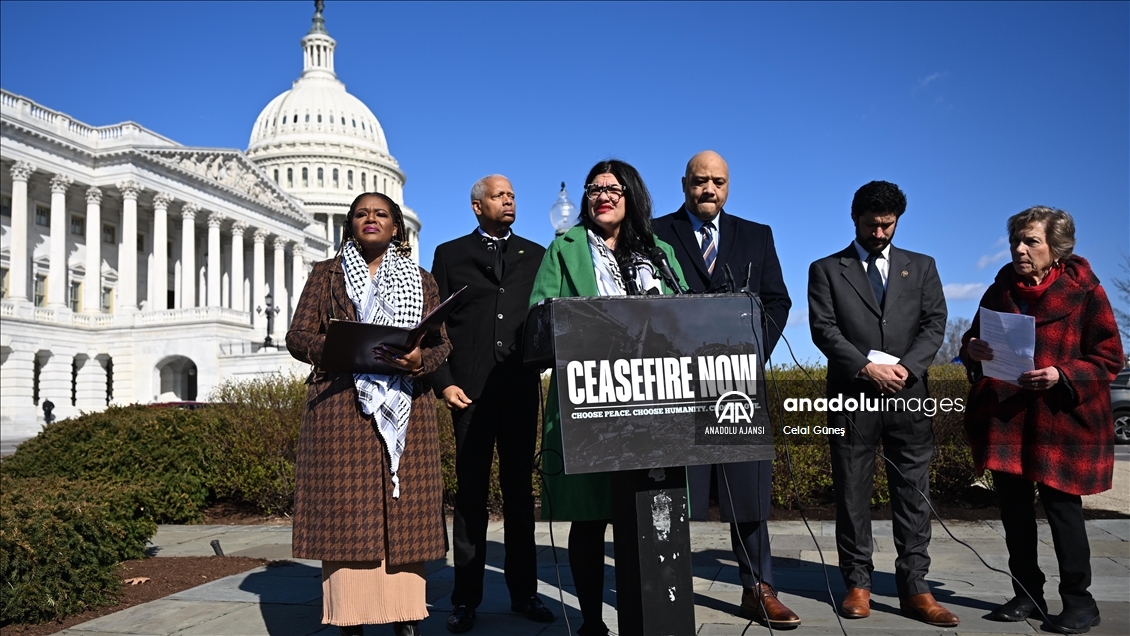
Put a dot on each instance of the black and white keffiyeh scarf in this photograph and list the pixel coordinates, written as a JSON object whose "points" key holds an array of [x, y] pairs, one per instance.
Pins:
{"points": [[609, 280], [394, 297]]}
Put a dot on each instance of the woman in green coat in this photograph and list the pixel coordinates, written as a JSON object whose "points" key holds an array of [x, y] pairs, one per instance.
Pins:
{"points": [[604, 255]]}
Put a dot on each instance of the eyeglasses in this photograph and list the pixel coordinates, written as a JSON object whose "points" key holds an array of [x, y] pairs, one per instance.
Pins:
{"points": [[614, 191]]}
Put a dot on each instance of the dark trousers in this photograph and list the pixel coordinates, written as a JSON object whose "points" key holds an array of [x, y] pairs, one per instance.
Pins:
{"points": [[506, 415], [908, 441], [586, 561], [1069, 536], [743, 499]]}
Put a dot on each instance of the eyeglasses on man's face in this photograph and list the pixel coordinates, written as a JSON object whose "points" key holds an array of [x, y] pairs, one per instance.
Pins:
{"points": [[614, 191]]}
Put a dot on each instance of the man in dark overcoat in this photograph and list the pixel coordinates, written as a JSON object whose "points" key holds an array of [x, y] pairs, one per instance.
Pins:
{"points": [[493, 398], [706, 239], [878, 313]]}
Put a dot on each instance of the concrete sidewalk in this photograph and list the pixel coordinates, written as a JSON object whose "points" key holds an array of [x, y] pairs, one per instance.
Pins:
{"points": [[285, 599]]}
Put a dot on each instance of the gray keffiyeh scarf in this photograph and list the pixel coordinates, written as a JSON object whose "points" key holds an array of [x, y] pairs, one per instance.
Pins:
{"points": [[394, 297], [609, 280]]}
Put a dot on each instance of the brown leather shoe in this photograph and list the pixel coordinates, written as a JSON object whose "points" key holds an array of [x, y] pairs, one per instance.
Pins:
{"points": [[857, 603], [924, 608], [775, 613]]}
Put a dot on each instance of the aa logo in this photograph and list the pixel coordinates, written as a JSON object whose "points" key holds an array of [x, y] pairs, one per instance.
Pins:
{"points": [[734, 407]]}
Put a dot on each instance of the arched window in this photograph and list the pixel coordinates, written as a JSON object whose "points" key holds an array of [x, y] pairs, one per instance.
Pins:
{"points": [[276, 175], [284, 120], [321, 179], [307, 118], [331, 118], [384, 187], [305, 178], [319, 118], [290, 177], [335, 179], [362, 125], [349, 179], [363, 186], [354, 122]]}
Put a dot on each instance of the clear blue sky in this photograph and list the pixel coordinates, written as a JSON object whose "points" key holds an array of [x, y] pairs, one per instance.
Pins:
{"points": [[977, 110]]}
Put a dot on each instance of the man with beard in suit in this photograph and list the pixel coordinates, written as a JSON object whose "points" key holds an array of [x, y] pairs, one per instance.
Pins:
{"points": [[706, 240], [493, 398], [878, 313]]}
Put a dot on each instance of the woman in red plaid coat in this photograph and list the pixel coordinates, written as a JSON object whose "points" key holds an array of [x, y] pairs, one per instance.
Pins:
{"points": [[1053, 425]]}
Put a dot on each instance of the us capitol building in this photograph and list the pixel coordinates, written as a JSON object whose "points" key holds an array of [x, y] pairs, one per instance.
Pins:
{"points": [[138, 270]]}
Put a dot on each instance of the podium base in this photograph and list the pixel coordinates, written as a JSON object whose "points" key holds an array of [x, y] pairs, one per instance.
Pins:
{"points": [[654, 594]]}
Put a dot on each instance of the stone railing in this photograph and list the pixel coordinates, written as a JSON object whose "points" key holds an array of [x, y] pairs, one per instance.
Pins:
{"points": [[193, 314], [24, 312], [21, 108]]}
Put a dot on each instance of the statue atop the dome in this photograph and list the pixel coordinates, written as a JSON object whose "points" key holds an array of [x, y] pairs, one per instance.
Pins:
{"points": [[319, 23]]}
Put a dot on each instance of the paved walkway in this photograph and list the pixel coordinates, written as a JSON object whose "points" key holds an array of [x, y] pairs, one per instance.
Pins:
{"points": [[285, 599]]}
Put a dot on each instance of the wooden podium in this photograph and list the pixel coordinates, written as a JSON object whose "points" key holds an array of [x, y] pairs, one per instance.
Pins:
{"points": [[648, 385]]}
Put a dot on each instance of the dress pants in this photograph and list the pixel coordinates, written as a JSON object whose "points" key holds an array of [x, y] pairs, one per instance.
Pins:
{"points": [[1069, 536], [746, 505], [586, 561], [908, 441], [505, 413]]}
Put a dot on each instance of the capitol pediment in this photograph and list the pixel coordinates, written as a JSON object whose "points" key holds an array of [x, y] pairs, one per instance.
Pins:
{"points": [[232, 170]]}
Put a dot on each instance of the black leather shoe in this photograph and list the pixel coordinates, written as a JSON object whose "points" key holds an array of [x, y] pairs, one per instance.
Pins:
{"points": [[1018, 609], [534, 610], [462, 619], [1076, 621], [351, 630], [589, 630], [409, 628]]}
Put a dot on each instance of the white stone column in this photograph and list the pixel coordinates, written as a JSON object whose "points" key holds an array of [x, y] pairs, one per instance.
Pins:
{"points": [[188, 255], [258, 276], [159, 275], [57, 250], [16, 374], [297, 273], [18, 257], [126, 296], [330, 229], [215, 220], [237, 230], [91, 383], [279, 287], [92, 282]]}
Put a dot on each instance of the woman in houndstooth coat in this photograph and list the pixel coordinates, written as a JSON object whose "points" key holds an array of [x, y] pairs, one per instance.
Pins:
{"points": [[369, 493]]}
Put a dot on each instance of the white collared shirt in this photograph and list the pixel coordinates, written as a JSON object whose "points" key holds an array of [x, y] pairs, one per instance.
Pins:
{"points": [[485, 235], [696, 227], [883, 263]]}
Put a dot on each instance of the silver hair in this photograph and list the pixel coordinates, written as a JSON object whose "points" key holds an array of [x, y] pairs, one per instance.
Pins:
{"points": [[479, 190], [1059, 228]]}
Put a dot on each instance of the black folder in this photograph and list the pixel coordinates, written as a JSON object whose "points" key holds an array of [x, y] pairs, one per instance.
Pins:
{"points": [[349, 344]]}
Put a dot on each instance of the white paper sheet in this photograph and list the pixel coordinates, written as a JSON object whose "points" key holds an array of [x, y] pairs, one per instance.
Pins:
{"points": [[1013, 340], [878, 357]]}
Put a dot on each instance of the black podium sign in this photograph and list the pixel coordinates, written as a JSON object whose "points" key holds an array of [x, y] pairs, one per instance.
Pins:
{"points": [[647, 381]]}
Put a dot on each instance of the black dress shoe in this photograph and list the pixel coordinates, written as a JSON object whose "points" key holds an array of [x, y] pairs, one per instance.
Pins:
{"points": [[407, 628], [1076, 621], [534, 610], [462, 619], [351, 630], [1018, 609]]}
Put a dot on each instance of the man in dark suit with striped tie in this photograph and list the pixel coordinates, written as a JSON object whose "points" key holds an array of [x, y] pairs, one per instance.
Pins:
{"points": [[707, 239]]}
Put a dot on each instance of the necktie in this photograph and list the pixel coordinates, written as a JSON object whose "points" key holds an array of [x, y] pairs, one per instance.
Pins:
{"points": [[495, 247], [709, 250], [876, 278]]}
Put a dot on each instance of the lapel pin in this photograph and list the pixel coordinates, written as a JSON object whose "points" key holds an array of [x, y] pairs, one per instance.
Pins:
{"points": [[905, 273], [521, 251]]}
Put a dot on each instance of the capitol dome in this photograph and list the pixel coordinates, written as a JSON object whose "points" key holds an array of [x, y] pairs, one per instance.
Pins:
{"points": [[325, 146]]}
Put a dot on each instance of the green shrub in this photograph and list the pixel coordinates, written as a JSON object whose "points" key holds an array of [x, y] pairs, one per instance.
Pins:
{"points": [[254, 436], [60, 541], [162, 450]]}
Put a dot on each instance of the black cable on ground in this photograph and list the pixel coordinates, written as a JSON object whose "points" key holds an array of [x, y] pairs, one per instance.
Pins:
{"points": [[545, 493]]}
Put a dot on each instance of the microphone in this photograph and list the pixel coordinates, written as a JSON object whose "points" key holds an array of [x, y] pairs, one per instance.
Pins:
{"points": [[730, 286], [630, 284], [748, 276], [659, 259]]}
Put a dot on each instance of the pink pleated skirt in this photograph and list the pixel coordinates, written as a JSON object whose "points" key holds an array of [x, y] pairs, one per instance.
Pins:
{"points": [[366, 593]]}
